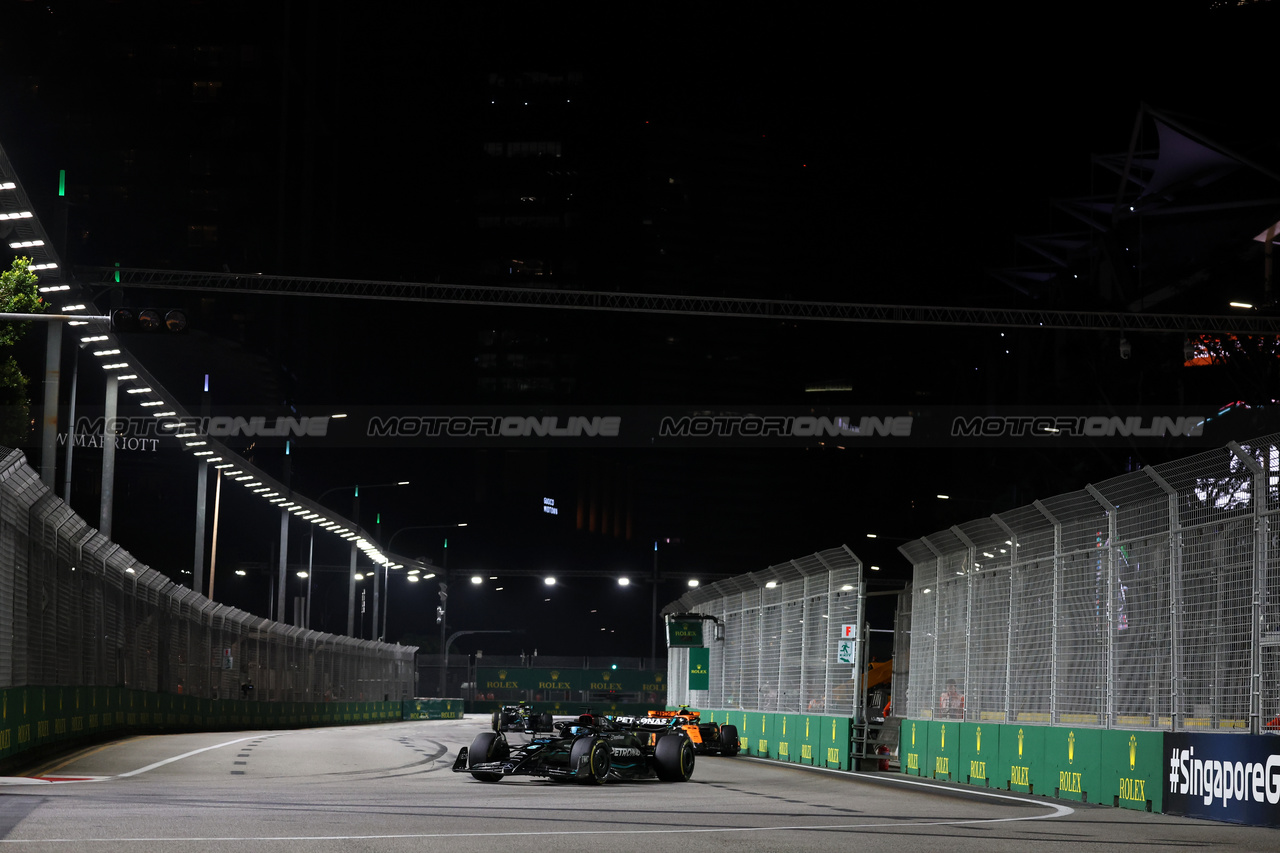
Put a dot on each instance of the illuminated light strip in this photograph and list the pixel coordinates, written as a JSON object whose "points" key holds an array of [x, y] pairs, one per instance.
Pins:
{"points": [[23, 244], [196, 443], [129, 376], [162, 415], [116, 366], [203, 453], [22, 214], [101, 352], [135, 390], [93, 338], [44, 267], [245, 477], [72, 307], [224, 465], [152, 403], [77, 322], [53, 288]]}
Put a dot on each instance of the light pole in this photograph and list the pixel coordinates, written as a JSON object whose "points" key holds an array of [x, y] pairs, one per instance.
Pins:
{"points": [[351, 575], [444, 580]]}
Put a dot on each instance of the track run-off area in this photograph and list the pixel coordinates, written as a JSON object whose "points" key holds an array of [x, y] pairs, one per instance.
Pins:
{"points": [[390, 787]]}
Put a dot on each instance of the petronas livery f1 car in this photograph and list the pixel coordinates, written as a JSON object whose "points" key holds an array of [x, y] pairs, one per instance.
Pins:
{"points": [[588, 750], [520, 718]]}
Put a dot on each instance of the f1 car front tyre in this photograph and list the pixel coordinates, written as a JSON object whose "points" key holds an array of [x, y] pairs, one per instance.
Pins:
{"points": [[591, 757], [486, 747], [495, 722], [729, 744], [673, 759]]}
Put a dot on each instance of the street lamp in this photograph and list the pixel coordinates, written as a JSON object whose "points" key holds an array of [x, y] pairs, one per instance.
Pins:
{"points": [[444, 582], [351, 580]]}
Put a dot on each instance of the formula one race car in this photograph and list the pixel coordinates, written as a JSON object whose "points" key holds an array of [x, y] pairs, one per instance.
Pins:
{"points": [[708, 738], [587, 750], [520, 718]]}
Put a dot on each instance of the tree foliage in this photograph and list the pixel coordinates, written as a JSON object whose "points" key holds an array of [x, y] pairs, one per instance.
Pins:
{"points": [[18, 295]]}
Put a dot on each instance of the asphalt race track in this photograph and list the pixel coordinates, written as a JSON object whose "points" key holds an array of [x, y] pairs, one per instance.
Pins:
{"points": [[390, 788]]}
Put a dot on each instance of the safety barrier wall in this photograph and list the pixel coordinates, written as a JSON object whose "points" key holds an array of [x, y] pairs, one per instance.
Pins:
{"points": [[32, 718], [1149, 601], [78, 610], [775, 638], [813, 739], [1215, 775]]}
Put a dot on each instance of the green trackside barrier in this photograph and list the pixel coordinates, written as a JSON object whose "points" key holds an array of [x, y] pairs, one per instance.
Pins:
{"points": [[740, 719], [1073, 764], [1133, 770], [807, 739], [784, 729], [33, 717], [1021, 760], [757, 728], [944, 751], [913, 747], [432, 709], [979, 754], [833, 744]]}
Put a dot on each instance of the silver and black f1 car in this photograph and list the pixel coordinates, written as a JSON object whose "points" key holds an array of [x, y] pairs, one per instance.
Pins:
{"points": [[588, 750], [520, 718]]}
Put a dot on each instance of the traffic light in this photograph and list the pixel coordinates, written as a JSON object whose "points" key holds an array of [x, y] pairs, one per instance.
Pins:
{"points": [[149, 320]]}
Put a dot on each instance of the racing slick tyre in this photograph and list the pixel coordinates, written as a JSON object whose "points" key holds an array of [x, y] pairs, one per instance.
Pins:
{"points": [[673, 759], [495, 722], [729, 744], [487, 746], [544, 723], [598, 758]]}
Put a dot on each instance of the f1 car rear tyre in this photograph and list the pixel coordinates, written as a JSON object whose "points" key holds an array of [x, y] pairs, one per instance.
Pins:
{"points": [[544, 723], [673, 759], [598, 755], [729, 743], [487, 746]]}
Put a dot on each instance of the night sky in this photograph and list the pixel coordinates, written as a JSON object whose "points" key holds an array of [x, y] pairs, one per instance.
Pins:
{"points": [[888, 158]]}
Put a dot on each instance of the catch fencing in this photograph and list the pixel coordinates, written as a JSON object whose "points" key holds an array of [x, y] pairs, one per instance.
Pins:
{"points": [[1150, 600], [775, 638], [76, 609]]}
